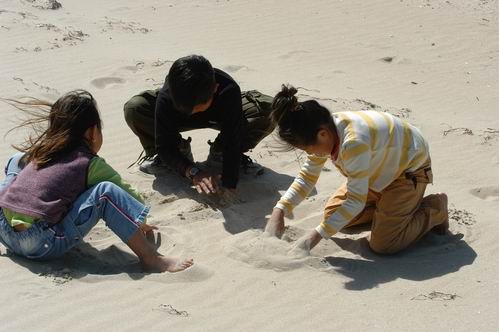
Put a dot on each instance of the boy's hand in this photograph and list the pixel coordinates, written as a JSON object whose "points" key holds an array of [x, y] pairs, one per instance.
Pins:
{"points": [[206, 183], [275, 225]]}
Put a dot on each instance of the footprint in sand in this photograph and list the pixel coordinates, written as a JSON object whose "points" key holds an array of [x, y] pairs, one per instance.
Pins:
{"points": [[139, 65], [106, 82], [486, 193]]}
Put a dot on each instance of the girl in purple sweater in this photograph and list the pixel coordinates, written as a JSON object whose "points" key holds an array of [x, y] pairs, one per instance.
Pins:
{"points": [[57, 188]]}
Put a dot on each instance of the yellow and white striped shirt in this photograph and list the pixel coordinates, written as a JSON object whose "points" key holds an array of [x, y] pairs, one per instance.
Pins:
{"points": [[375, 149]]}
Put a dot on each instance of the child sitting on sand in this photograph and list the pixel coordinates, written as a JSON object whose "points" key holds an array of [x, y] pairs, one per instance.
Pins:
{"points": [[387, 165], [57, 187]]}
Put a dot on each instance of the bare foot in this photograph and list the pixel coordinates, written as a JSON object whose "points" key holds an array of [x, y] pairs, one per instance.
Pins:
{"points": [[443, 228], [167, 264]]}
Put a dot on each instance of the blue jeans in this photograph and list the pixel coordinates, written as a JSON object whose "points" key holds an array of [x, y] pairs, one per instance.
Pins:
{"points": [[122, 213]]}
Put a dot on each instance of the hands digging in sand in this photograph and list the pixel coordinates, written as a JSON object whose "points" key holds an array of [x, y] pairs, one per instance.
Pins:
{"points": [[386, 162], [387, 165], [195, 95]]}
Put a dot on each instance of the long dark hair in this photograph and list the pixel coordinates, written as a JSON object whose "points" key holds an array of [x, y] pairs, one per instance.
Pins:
{"points": [[298, 122], [58, 127]]}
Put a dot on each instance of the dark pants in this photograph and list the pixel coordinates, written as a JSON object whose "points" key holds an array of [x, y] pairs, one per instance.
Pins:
{"points": [[139, 115]]}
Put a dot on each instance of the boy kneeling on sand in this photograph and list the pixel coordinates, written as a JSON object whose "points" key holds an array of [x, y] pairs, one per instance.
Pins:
{"points": [[195, 96]]}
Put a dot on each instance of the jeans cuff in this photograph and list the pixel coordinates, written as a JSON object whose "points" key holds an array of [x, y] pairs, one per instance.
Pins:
{"points": [[143, 215], [130, 230]]}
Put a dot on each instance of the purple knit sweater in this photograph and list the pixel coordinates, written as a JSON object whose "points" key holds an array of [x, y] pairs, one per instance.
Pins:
{"points": [[48, 193]]}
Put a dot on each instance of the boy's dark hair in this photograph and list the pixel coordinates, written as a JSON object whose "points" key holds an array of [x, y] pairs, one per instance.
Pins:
{"points": [[298, 122], [191, 80], [58, 127]]}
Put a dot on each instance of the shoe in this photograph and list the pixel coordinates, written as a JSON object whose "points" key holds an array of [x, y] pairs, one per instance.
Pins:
{"points": [[247, 162], [215, 157], [249, 166], [152, 165], [185, 148]]}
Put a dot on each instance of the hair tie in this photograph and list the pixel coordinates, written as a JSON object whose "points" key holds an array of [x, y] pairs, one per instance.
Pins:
{"points": [[298, 108]]}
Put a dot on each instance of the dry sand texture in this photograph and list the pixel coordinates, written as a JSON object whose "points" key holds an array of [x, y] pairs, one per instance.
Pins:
{"points": [[435, 63]]}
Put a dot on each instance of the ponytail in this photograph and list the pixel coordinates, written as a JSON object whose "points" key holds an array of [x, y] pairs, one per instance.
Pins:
{"points": [[284, 102], [298, 122]]}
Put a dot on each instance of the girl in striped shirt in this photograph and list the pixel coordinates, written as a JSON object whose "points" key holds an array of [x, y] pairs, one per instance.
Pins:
{"points": [[387, 165]]}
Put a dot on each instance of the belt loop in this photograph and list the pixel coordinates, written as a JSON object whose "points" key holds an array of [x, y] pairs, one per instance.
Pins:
{"points": [[413, 178]]}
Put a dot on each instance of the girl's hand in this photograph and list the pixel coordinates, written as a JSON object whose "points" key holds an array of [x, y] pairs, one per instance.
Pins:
{"points": [[148, 231], [275, 225], [306, 243], [145, 228]]}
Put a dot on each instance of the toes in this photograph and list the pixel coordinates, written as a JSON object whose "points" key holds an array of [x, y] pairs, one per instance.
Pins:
{"points": [[181, 265], [188, 263]]}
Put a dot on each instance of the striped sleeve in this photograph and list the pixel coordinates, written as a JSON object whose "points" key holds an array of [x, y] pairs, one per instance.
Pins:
{"points": [[356, 159], [303, 184]]}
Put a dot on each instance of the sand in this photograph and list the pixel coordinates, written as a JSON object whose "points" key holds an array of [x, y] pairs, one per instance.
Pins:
{"points": [[435, 63]]}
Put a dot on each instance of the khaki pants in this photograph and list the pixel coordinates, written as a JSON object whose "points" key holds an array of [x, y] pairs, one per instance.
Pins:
{"points": [[399, 214]]}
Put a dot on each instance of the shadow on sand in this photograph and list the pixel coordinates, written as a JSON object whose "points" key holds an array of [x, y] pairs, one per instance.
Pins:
{"points": [[256, 196], [84, 260], [432, 257]]}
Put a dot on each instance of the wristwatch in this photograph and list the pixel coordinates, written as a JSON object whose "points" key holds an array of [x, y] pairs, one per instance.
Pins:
{"points": [[193, 171]]}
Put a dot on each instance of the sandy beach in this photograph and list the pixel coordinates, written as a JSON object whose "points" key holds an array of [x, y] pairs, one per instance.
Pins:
{"points": [[433, 63]]}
